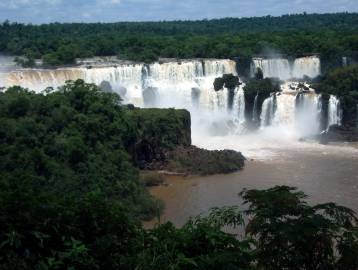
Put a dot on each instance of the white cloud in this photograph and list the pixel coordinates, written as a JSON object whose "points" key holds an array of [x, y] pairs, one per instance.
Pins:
{"points": [[40, 11], [108, 2], [14, 4]]}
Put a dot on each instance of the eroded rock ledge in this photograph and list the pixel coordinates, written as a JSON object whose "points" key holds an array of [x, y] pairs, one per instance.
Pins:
{"points": [[191, 160], [339, 134]]}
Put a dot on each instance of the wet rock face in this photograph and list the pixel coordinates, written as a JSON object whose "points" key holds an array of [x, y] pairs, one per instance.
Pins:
{"points": [[194, 160], [339, 134], [191, 160]]}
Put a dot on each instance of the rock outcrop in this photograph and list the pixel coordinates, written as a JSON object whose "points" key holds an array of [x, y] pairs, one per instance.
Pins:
{"points": [[163, 142], [339, 134]]}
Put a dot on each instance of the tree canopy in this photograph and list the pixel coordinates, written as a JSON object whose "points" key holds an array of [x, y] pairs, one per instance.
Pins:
{"points": [[330, 35]]}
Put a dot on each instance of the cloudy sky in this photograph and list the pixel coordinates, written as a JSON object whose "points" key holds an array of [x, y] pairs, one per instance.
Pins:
{"points": [[43, 11]]}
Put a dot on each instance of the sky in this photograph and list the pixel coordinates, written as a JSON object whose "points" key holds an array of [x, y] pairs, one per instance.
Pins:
{"points": [[44, 11]]}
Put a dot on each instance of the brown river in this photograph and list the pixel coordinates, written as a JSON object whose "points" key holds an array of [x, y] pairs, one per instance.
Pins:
{"points": [[324, 173]]}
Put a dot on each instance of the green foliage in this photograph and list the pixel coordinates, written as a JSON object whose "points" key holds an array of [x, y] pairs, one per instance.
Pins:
{"points": [[219, 83], [330, 35], [65, 177], [199, 244], [262, 86], [157, 131], [342, 82], [65, 55], [26, 62], [228, 81], [291, 234]]}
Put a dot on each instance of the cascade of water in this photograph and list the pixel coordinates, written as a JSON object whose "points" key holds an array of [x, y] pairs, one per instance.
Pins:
{"points": [[281, 68], [254, 110], [39, 79], [334, 111], [272, 67], [268, 110], [239, 104], [285, 110], [319, 111], [176, 72], [306, 66], [219, 67], [307, 113]]}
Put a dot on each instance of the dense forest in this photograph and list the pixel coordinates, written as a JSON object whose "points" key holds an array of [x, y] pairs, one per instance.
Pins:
{"points": [[330, 35], [71, 198]]}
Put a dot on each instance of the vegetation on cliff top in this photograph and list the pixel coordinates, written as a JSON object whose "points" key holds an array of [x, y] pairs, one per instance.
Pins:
{"points": [[228, 81], [330, 35]]}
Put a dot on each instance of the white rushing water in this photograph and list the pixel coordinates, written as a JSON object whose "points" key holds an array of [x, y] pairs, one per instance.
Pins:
{"points": [[217, 117], [268, 111], [306, 66], [282, 68], [334, 111], [292, 113], [274, 67]]}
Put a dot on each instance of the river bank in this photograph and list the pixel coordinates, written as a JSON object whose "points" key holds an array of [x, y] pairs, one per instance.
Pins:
{"points": [[324, 173]]}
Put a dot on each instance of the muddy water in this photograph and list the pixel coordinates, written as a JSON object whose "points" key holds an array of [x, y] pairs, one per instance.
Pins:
{"points": [[325, 173]]}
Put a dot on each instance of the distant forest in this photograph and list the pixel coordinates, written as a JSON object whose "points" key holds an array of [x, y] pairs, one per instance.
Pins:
{"points": [[330, 35]]}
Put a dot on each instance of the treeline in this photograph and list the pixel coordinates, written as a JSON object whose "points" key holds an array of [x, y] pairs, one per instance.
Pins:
{"points": [[71, 198], [330, 35]]}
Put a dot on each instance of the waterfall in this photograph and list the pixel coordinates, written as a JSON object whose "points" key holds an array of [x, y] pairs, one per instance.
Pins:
{"points": [[344, 61], [281, 68], [272, 67], [285, 110], [292, 112], [239, 104], [189, 84], [177, 72], [334, 111], [39, 79], [306, 66], [308, 113], [219, 67], [254, 110], [268, 111], [124, 76], [319, 111]]}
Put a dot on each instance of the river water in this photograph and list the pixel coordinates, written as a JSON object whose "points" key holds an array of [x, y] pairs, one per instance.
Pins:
{"points": [[324, 173]]}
